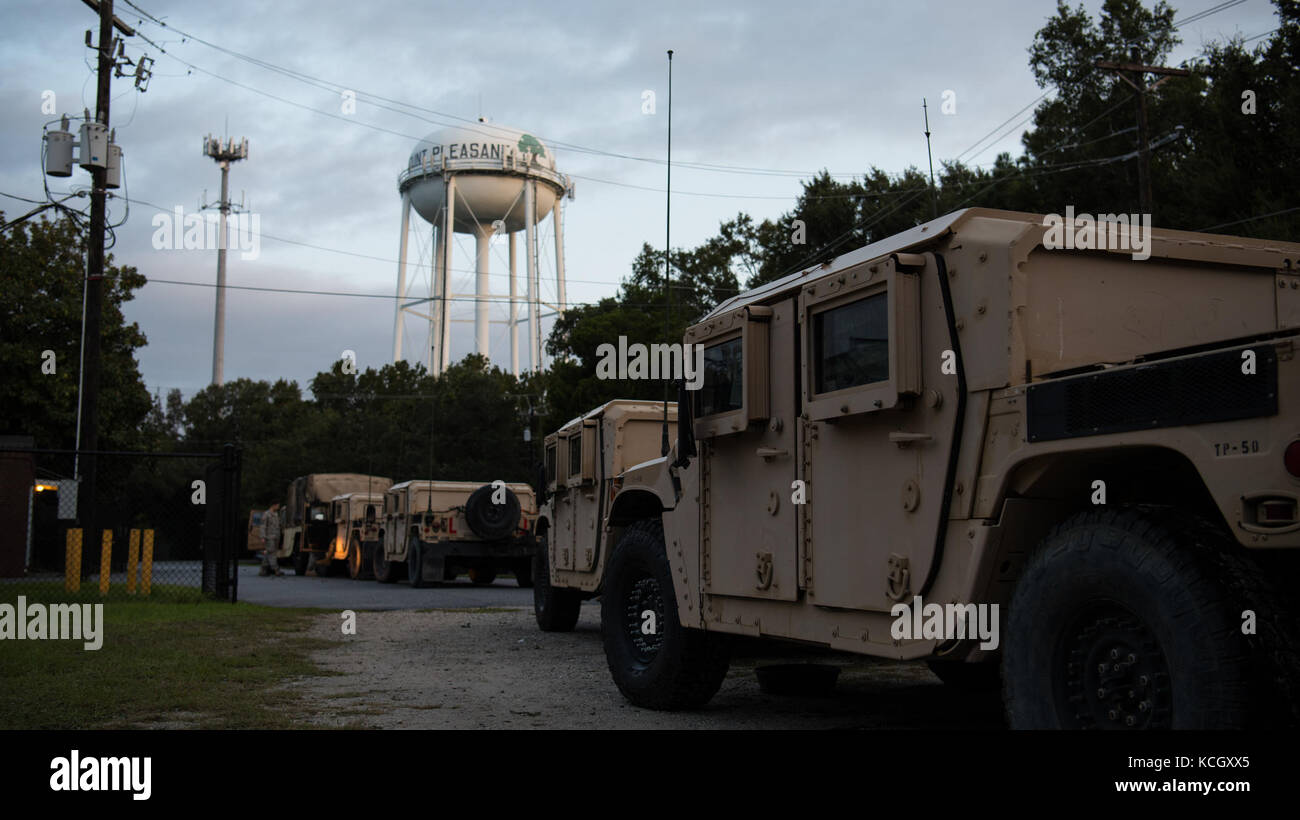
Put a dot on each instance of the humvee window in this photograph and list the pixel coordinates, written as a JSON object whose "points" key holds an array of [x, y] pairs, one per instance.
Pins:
{"points": [[851, 344], [550, 464], [575, 455], [723, 379]]}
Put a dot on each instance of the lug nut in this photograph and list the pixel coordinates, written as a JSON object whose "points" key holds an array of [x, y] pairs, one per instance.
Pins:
{"points": [[1112, 714], [1130, 721], [1114, 654]]}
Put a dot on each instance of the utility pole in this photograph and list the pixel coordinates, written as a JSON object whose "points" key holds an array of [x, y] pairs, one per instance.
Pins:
{"points": [[95, 259], [1134, 73], [224, 153]]}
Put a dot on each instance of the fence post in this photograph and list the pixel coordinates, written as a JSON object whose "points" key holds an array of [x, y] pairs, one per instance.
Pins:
{"points": [[132, 560], [105, 562], [146, 571], [72, 561]]}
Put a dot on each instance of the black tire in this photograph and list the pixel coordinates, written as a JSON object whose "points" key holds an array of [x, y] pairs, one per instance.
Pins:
{"points": [[980, 677], [358, 560], [674, 668], [482, 576], [523, 569], [1117, 622], [555, 608], [490, 521], [300, 559], [415, 563], [386, 572]]}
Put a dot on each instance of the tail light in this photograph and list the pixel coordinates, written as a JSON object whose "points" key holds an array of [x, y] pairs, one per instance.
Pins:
{"points": [[1292, 458]]}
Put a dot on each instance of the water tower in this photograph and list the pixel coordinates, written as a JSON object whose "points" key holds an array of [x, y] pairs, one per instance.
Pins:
{"points": [[481, 179]]}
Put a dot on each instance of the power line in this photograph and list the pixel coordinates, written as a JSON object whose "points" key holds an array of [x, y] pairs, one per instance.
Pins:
{"points": [[1249, 219]]}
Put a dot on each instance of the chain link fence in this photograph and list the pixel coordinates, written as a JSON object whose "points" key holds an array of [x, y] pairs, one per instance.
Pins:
{"points": [[116, 525]]}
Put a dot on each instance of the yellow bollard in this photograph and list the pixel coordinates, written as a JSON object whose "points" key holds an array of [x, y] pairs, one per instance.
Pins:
{"points": [[132, 561], [105, 559], [146, 569], [72, 562]]}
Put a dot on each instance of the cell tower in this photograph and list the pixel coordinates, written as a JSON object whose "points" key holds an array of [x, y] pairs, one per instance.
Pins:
{"points": [[481, 179], [224, 153]]}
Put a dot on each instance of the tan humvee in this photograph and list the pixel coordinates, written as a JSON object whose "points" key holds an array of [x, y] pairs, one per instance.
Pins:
{"points": [[582, 463], [891, 444], [310, 525], [434, 530], [356, 535]]}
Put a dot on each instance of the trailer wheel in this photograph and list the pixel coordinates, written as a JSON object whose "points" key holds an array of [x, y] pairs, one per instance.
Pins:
{"points": [[299, 558], [359, 561], [479, 576], [655, 661], [1121, 622], [555, 608], [523, 569], [415, 562], [386, 572]]}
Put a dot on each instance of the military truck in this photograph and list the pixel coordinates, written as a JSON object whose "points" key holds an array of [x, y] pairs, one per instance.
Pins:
{"points": [[969, 415], [582, 463], [356, 535], [434, 530], [310, 527]]}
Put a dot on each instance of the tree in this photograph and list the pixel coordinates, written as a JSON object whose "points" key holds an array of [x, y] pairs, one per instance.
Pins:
{"points": [[42, 270]]}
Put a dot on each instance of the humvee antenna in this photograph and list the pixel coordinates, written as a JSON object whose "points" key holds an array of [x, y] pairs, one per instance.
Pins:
{"points": [[934, 194], [668, 212]]}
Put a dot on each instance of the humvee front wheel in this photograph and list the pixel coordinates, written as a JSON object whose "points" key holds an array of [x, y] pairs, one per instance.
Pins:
{"points": [[300, 558], [655, 661], [358, 560], [1118, 622], [555, 608]]}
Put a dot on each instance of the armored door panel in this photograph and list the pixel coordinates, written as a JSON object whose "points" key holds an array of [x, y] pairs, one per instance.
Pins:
{"points": [[748, 519], [585, 529], [562, 534]]}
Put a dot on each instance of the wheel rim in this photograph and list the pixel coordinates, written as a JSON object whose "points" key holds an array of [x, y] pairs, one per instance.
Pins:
{"points": [[644, 597], [1116, 675]]}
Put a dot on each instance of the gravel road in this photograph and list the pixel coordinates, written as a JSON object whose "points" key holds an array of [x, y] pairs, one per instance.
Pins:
{"points": [[494, 669]]}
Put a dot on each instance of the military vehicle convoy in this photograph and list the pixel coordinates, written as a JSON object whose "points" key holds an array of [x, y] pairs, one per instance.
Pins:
{"points": [[582, 463], [1089, 458], [311, 525], [434, 530]]}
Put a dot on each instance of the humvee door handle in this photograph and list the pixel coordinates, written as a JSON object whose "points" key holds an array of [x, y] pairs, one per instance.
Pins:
{"points": [[900, 438], [770, 452]]}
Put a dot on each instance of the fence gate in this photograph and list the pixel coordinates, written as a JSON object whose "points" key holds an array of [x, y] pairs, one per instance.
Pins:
{"points": [[221, 526]]}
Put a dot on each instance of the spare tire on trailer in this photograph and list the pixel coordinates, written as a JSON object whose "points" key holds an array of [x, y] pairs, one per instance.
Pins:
{"points": [[488, 520]]}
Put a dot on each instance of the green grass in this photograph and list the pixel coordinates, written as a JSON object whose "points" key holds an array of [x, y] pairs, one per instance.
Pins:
{"points": [[52, 592], [203, 664]]}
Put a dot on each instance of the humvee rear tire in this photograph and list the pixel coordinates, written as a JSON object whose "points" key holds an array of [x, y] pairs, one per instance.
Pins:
{"points": [[555, 608], [415, 563], [967, 677], [386, 572], [655, 661], [488, 520], [479, 576], [1119, 621], [523, 569]]}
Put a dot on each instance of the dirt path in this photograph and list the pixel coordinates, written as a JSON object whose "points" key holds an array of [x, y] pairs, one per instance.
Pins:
{"points": [[495, 669]]}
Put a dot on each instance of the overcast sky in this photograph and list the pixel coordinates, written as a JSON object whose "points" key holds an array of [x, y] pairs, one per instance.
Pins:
{"points": [[793, 87]]}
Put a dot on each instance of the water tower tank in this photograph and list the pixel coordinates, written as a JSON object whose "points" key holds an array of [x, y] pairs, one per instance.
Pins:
{"points": [[491, 163]]}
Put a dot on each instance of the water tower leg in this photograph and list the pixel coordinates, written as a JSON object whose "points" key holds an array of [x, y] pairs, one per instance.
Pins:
{"points": [[557, 216], [449, 242], [437, 286], [514, 311], [482, 290], [401, 279], [530, 265]]}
